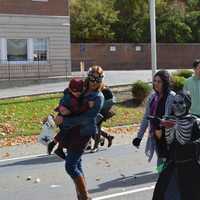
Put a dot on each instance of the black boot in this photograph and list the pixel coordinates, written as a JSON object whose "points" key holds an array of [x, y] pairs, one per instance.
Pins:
{"points": [[59, 152], [50, 147], [102, 141], [110, 138], [96, 143]]}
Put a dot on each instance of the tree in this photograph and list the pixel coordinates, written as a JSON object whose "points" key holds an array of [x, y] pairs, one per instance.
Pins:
{"points": [[133, 24], [171, 25], [129, 21], [193, 18], [91, 21]]}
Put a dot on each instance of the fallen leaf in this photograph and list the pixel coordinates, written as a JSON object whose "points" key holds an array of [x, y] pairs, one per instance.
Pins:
{"points": [[6, 155]]}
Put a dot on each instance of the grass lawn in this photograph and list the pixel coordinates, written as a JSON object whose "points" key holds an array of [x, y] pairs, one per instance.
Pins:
{"points": [[23, 116]]}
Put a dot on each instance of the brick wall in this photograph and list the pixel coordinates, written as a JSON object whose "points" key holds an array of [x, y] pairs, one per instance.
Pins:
{"points": [[51, 7], [130, 56]]}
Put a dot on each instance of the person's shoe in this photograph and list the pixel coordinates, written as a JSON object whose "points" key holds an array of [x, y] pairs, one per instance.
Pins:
{"points": [[60, 153], [50, 147], [102, 141], [94, 150], [110, 138], [88, 147]]}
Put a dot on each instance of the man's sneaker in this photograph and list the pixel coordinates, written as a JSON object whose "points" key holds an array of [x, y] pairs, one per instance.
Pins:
{"points": [[60, 153], [50, 147]]}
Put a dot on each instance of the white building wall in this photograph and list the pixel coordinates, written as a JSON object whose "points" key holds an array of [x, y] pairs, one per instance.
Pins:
{"points": [[55, 28]]}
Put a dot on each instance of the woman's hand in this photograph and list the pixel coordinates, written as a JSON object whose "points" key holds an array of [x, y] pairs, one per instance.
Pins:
{"points": [[64, 111], [167, 123], [136, 142], [58, 120], [158, 134]]}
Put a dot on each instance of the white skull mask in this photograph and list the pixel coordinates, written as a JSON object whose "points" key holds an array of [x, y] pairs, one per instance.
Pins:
{"points": [[179, 106]]}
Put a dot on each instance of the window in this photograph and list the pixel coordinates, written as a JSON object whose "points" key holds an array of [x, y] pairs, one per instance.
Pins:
{"points": [[16, 50], [23, 50], [40, 49]]}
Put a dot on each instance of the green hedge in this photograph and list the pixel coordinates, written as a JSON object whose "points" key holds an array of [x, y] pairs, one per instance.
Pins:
{"points": [[140, 90], [186, 73], [177, 83]]}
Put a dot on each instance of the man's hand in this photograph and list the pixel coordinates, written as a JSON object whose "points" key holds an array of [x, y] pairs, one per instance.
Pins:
{"points": [[136, 142]]}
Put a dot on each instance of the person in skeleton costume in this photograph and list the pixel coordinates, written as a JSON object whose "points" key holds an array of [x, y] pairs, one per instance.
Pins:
{"points": [[180, 179]]}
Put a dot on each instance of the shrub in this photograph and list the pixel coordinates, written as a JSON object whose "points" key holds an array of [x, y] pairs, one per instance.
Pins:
{"points": [[177, 83], [186, 73], [140, 91]]}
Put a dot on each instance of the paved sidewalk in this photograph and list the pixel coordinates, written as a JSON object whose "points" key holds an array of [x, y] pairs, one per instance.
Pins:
{"points": [[111, 78]]}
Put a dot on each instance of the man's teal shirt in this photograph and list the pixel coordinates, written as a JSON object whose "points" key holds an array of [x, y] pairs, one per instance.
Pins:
{"points": [[192, 85]]}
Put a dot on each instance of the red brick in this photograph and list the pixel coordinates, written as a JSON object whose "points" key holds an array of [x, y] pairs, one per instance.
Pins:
{"points": [[29, 7], [169, 56]]}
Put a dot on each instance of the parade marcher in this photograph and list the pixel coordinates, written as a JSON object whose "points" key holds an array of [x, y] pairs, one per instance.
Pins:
{"points": [[105, 113], [77, 140], [192, 86], [180, 178], [70, 104], [159, 104]]}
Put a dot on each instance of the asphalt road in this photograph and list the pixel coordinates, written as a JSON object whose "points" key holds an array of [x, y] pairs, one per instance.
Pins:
{"points": [[120, 172]]}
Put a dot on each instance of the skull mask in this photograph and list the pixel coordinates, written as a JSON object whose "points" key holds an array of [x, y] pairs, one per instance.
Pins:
{"points": [[181, 104]]}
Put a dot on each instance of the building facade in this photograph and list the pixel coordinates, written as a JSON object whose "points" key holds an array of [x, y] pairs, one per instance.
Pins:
{"points": [[34, 38]]}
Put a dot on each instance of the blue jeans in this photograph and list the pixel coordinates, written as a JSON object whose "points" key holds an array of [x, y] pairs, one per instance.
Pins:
{"points": [[73, 164]]}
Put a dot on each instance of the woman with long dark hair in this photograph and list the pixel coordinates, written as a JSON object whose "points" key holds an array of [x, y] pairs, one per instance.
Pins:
{"points": [[159, 104]]}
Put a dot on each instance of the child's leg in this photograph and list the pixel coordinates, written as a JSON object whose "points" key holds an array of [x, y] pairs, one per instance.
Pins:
{"points": [[50, 147], [61, 137], [53, 143], [59, 152]]}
